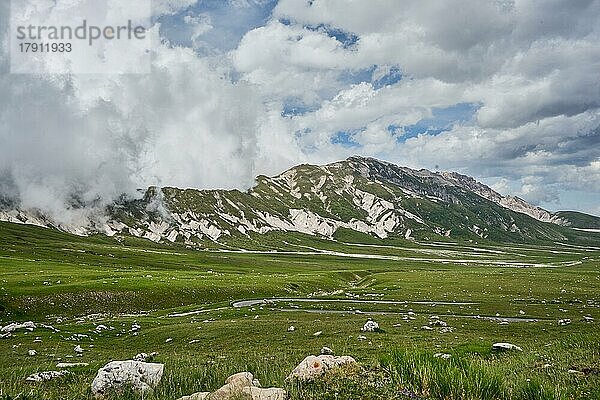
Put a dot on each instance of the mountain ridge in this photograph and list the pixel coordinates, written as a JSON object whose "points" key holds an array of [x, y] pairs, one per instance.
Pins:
{"points": [[359, 194]]}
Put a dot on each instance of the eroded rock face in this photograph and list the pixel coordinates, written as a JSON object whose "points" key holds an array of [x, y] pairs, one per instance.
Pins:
{"points": [[138, 375], [315, 366]]}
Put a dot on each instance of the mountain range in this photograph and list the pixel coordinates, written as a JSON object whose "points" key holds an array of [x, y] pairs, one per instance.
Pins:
{"points": [[362, 197]]}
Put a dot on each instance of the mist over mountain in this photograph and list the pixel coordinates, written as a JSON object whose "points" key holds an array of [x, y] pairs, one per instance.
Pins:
{"points": [[360, 195]]}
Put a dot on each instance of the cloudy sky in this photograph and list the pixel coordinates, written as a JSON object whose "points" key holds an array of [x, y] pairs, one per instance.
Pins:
{"points": [[507, 91]]}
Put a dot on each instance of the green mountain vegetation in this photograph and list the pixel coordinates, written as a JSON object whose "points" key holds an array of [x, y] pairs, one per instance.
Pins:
{"points": [[579, 220], [367, 196]]}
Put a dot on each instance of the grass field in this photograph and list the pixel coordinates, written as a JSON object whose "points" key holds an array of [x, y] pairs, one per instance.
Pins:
{"points": [[76, 284]]}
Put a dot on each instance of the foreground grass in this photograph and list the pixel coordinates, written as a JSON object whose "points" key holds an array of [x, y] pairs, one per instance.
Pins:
{"points": [[77, 284]]}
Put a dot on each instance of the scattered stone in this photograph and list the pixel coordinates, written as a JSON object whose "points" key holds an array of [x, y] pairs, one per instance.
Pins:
{"points": [[326, 351], [426, 328], [169, 340], [233, 386], [587, 318], [315, 366], [240, 379], [438, 322], [563, 322], [144, 357], [139, 375], [291, 328], [135, 327], [46, 376], [196, 396], [521, 312], [265, 394], [78, 349], [29, 325], [444, 356], [505, 346], [317, 333], [370, 326], [32, 352], [71, 365], [240, 386], [362, 337], [575, 372]]}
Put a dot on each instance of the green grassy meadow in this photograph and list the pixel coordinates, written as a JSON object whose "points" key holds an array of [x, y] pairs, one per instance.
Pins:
{"points": [[188, 296]]}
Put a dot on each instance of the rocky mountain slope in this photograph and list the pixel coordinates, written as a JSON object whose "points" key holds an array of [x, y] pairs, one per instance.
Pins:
{"points": [[360, 195]]}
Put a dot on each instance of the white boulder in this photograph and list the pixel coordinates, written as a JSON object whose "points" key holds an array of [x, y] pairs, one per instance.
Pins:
{"points": [[265, 394], [45, 376], [139, 375], [315, 366], [71, 365], [233, 386], [145, 357], [240, 386], [438, 322], [370, 326], [196, 396], [506, 346], [29, 325]]}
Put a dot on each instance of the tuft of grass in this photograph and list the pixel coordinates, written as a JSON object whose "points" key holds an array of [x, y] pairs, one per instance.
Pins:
{"points": [[456, 378], [533, 390]]}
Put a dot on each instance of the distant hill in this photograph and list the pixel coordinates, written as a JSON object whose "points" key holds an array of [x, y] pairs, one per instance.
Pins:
{"points": [[579, 220]]}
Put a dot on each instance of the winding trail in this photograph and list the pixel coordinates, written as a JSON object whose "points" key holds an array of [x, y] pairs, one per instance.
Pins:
{"points": [[255, 302], [272, 301]]}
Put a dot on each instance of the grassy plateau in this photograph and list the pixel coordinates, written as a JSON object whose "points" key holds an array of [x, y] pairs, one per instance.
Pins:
{"points": [[186, 303]]}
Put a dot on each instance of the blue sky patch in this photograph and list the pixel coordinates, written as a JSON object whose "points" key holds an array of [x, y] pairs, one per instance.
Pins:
{"points": [[356, 76], [294, 106], [442, 120], [230, 24], [345, 138], [392, 77], [347, 39]]}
